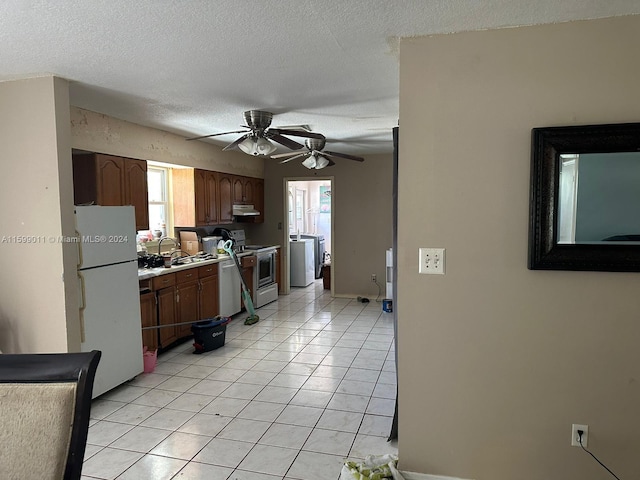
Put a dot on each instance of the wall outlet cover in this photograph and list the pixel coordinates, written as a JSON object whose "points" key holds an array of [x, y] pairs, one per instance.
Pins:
{"points": [[431, 261]]}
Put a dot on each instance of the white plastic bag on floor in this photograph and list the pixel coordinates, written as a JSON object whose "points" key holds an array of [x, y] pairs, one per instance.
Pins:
{"points": [[374, 467]]}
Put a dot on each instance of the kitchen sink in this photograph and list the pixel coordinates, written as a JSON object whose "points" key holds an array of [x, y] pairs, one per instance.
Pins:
{"points": [[185, 260]]}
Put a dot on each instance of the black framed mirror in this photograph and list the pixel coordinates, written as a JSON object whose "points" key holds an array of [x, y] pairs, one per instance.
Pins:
{"points": [[584, 204]]}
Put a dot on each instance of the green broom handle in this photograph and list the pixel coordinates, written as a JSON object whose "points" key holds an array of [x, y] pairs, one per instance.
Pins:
{"points": [[245, 291]]}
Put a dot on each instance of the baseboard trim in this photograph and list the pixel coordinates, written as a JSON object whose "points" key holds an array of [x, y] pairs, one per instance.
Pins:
{"points": [[426, 476]]}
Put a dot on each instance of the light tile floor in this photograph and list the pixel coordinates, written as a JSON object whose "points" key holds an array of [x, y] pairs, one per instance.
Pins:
{"points": [[290, 397]]}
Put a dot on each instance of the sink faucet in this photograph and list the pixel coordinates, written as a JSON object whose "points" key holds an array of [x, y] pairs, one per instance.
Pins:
{"points": [[162, 240]]}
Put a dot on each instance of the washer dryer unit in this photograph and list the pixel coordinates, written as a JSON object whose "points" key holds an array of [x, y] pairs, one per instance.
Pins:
{"points": [[318, 250]]}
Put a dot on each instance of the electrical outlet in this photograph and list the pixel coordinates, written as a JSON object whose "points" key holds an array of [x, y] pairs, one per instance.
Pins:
{"points": [[575, 442], [431, 261], [374, 278]]}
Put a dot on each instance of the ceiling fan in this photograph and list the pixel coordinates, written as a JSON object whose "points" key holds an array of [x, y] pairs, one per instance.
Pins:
{"points": [[317, 158], [256, 140]]}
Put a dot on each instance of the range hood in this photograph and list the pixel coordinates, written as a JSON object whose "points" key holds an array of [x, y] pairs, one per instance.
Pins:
{"points": [[244, 211]]}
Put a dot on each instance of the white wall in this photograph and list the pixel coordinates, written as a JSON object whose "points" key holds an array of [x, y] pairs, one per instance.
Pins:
{"points": [[38, 298], [496, 361]]}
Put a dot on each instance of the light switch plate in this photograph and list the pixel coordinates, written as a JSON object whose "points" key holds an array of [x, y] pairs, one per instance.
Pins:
{"points": [[431, 261]]}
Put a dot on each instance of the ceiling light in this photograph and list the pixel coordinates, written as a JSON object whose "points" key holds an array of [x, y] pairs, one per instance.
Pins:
{"points": [[256, 146], [321, 163], [310, 162]]}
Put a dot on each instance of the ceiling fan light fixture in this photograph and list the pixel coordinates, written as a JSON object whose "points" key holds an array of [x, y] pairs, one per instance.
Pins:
{"points": [[310, 162], [256, 146], [321, 163]]}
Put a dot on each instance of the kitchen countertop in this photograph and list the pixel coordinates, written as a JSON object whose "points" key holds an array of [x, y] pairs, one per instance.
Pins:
{"points": [[146, 273]]}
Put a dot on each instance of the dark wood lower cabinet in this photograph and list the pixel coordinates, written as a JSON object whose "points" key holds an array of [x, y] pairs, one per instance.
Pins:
{"points": [[187, 306], [183, 297], [167, 315], [149, 316], [208, 300]]}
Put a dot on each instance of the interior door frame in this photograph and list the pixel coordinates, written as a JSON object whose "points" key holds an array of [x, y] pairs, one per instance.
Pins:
{"points": [[286, 264]]}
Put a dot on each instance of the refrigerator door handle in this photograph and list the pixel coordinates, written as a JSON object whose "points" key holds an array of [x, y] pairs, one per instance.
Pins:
{"points": [[79, 243], [83, 305]]}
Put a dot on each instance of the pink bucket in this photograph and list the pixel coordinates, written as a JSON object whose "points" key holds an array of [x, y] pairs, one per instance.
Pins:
{"points": [[149, 359]]}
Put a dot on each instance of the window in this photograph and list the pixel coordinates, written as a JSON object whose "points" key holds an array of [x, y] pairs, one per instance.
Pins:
{"points": [[292, 220], [158, 199], [300, 208]]}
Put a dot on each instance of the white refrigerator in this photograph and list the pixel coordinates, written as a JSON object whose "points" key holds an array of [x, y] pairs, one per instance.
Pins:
{"points": [[303, 270], [109, 293]]}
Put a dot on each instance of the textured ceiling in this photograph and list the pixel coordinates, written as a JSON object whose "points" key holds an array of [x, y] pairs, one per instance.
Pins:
{"points": [[192, 67]]}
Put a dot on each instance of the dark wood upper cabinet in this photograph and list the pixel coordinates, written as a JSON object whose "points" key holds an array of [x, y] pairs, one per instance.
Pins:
{"points": [[212, 197], [238, 190], [225, 187], [195, 197], [135, 191], [200, 197], [243, 190], [101, 179], [248, 190], [110, 172]]}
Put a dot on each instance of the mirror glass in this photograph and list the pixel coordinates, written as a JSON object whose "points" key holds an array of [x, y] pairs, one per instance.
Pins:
{"points": [[599, 198], [584, 209]]}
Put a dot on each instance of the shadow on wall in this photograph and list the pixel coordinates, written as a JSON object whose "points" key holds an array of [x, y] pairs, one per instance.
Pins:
{"points": [[7, 339]]}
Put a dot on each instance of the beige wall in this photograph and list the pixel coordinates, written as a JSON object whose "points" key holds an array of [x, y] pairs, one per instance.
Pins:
{"points": [[496, 361], [362, 218], [37, 203], [96, 132]]}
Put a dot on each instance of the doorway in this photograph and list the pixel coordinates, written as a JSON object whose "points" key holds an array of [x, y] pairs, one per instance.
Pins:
{"points": [[309, 212]]}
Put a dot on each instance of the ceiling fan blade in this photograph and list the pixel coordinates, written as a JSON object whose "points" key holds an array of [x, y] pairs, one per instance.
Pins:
{"points": [[215, 135], [287, 142], [233, 145], [299, 155], [296, 133], [284, 155], [343, 155]]}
